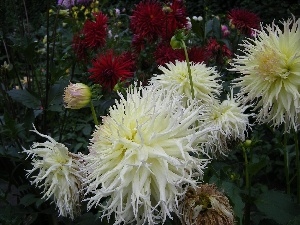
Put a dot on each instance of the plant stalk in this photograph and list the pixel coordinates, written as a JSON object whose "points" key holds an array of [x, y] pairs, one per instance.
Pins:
{"points": [[94, 113], [248, 189], [286, 164], [189, 69], [297, 166]]}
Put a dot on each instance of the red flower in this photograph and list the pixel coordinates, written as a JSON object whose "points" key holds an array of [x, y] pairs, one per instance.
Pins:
{"points": [[109, 68], [198, 54], [244, 20], [95, 32], [175, 19], [165, 54], [217, 51], [138, 43], [79, 47], [147, 20]]}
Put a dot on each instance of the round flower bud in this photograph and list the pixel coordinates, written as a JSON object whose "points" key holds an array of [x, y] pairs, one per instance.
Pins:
{"points": [[76, 96]]}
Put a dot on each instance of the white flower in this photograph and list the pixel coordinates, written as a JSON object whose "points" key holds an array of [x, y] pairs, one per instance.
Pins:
{"points": [[271, 73], [58, 174], [229, 119], [176, 77], [143, 156]]}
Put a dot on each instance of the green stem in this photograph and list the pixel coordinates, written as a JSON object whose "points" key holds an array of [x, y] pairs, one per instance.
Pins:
{"points": [[297, 166], [94, 113], [189, 68], [248, 189], [286, 164]]}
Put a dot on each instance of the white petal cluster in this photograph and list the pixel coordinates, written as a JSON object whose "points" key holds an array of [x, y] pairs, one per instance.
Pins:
{"points": [[229, 119], [143, 156], [56, 171], [175, 76], [270, 67]]}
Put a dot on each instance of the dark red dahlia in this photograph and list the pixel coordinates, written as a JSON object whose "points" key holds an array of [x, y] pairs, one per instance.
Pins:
{"points": [[164, 53], [138, 43], [147, 20], [110, 68], [79, 46], [244, 20], [95, 32], [175, 19], [214, 47], [199, 54]]}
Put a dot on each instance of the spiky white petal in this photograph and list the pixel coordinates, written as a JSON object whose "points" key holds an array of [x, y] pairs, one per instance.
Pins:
{"points": [[58, 174], [176, 77], [271, 73], [143, 156]]}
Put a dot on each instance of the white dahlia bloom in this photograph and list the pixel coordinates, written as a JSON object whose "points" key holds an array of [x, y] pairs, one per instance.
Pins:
{"points": [[229, 119], [58, 174], [175, 76], [271, 73], [143, 156]]}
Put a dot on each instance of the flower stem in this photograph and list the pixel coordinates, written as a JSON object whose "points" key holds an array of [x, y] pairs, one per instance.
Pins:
{"points": [[297, 166], [94, 113], [286, 164], [248, 189], [189, 68]]}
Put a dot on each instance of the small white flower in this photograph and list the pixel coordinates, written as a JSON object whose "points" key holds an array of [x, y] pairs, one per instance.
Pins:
{"points": [[58, 174], [176, 77], [229, 119], [143, 156]]}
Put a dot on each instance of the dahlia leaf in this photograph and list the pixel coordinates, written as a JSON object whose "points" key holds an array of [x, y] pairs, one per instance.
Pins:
{"points": [[277, 206], [25, 98]]}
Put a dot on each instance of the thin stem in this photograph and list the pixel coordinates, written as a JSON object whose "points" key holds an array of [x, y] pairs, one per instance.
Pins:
{"points": [[248, 189], [189, 68], [94, 113], [297, 166], [286, 164]]}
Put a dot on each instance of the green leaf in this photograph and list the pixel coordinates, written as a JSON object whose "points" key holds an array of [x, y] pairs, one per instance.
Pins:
{"points": [[213, 28], [233, 192], [197, 28], [29, 199], [277, 206], [254, 168], [56, 96], [25, 98]]}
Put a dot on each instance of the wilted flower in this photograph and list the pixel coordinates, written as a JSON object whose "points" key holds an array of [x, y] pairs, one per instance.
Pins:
{"points": [[143, 156], [58, 174], [95, 32], [271, 68], [108, 69], [205, 205], [244, 20], [229, 119], [175, 77], [76, 96]]}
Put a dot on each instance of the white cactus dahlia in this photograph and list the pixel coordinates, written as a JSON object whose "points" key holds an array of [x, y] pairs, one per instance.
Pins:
{"points": [[229, 120], [143, 156], [58, 174], [271, 73], [176, 77]]}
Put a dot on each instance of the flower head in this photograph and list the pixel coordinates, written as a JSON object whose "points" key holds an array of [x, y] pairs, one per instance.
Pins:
{"points": [[95, 31], [76, 96], [244, 20], [175, 77], [70, 3], [270, 67], [205, 205], [110, 68], [58, 174], [217, 51], [143, 156], [175, 19], [79, 46], [147, 20], [229, 119]]}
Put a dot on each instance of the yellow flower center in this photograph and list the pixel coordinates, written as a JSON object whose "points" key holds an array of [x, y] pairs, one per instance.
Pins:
{"points": [[270, 65]]}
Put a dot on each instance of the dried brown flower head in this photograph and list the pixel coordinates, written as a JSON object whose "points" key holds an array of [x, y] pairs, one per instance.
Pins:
{"points": [[205, 205]]}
